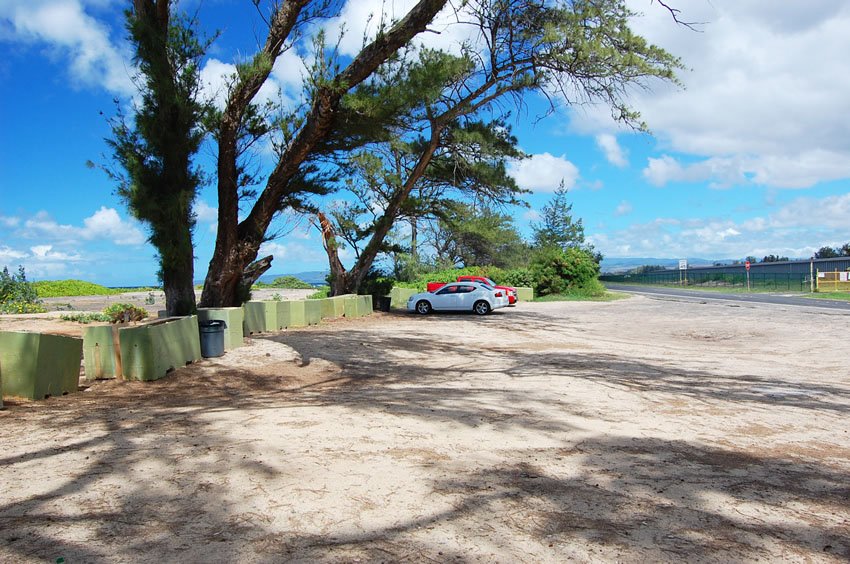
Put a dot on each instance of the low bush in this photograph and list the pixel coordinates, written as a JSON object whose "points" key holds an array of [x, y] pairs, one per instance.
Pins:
{"points": [[124, 312], [286, 283], [17, 295], [85, 317], [320, 293], [63, 288], [558, 271]]}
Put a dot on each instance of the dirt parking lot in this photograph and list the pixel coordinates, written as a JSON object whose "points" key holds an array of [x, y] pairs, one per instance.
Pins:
{"points": [[635, 430]]}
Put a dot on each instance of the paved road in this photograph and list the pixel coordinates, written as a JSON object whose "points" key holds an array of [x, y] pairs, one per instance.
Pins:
{"points": [[781, 299]]}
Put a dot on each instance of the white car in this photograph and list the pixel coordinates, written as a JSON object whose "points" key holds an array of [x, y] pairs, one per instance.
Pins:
{"points": [[459, 296]]}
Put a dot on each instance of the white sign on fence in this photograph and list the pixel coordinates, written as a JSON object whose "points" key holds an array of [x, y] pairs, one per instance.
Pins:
{"points": [[683, 264]]}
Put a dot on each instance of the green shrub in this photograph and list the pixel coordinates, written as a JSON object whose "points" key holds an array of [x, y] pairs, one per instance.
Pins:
{"points": [[557, 271], [124, 312], [320, 293], [287, 283], [62, 288], [17, 295], [377, 286], [517, 277], [85, 317]]}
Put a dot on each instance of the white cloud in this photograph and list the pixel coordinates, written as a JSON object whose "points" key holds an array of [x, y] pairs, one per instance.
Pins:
{"points": [[765, 91], [294, 252], [107, 223], [104, 223], [544, 172], [205, 212], [796, 229], [613, 152], [65, 26], [624, 208], [8, 254], [42, 253], [7, 221]]}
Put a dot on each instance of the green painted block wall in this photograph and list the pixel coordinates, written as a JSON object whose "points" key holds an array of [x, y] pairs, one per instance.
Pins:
{"points": [[364, 305], [350, 305], [234, 317], [149, 352], [312, 312], [332, 307], [524, 294], [35, 365], [261, 317], [297, 317], [399, 297], [99, 355]]}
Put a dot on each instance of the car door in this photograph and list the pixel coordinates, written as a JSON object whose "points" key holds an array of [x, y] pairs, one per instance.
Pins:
{"points": [[446, 298], [465, 297]]}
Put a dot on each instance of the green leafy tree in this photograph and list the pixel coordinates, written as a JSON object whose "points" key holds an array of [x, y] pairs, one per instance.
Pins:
{"points": [[827, 252], [557, 226], [584, 48], [559, 271], [467, 236], [157, 178], [844, 251], [774, 258]]}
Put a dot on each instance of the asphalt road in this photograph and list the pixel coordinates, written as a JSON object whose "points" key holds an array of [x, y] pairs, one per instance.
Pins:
{"points": [[761, 298]]}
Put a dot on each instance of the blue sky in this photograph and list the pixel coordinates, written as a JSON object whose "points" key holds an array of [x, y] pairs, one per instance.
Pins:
{"points": [[751, 157]]}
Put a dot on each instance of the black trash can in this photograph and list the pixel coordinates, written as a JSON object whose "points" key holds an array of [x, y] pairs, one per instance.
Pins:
{"points": [[212, 337], [383, 303]]}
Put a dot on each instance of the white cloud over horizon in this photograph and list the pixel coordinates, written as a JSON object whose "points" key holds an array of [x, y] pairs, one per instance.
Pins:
{"points": [[612, 150], [796, 229]]}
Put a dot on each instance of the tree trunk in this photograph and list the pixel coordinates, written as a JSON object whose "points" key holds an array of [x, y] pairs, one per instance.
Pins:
{"points": [[178, 273], [236, 247], [339, 276]]}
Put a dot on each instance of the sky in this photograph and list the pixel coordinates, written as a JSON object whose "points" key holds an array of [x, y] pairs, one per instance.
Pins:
{"points": [[750, 156]]}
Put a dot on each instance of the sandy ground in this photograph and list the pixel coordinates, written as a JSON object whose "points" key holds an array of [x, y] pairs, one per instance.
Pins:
{"points": [[636, 430]]}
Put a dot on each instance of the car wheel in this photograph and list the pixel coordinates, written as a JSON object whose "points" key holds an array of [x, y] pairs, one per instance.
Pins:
{"points": [[423, 307], [481, 307]]}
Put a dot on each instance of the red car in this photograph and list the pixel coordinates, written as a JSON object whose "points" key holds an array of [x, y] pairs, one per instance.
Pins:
{"points": [[510, 292]]}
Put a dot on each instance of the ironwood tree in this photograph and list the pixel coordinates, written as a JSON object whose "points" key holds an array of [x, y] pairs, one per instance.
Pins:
{"points": [[157, 178]]}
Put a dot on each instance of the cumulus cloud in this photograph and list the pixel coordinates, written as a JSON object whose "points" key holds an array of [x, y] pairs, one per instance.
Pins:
{"points": [[755, 108], [74, 35], [612, 150], [7, 221], [104, 223], [796, 229], [544, 172], [8, 254]]}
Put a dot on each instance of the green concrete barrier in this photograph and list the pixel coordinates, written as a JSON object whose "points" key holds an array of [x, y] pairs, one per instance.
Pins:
{"points": [[399, 297], [292, 313], [101, 352], [234, 317], [524, 294], [260, 317], [150, 351], [35, 365], [312, 312], [350, 305], [364, 305], [332, 307]]}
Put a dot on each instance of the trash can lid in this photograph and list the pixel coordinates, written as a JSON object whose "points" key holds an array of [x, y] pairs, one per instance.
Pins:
{"points": [[213, 323]]}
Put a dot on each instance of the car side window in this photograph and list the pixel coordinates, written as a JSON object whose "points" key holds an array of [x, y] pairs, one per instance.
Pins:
{"points": [[466, 289], [447, 290]]}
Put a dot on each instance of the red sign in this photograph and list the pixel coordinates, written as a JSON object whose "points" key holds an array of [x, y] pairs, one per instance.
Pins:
{"points": [[747, 265]]}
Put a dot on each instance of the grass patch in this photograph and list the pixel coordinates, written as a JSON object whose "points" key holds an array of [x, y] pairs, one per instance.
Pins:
{"points": [[285, 282], [718, 289], [84, 317], [838, 296], [579, 296], [70, 288], [321, 293]]}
